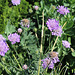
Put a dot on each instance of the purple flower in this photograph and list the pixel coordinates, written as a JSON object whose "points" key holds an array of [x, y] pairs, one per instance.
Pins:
{"points": [[51, 65], [62, 10], [2, 38], [15, 2], [19, 30], [36, 7], [46, 62], [50, 60], [52, 24], [14, 38], [55, 59], [3, 48], [54, 27], [57, 31], [66, 43]]}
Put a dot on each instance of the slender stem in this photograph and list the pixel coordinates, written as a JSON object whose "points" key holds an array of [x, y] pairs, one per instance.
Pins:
{"points": [[57, 38], [54, 44], [37, 19], [42, 34], [62, 69], [41, 48], [49, 40], [17, 62]]}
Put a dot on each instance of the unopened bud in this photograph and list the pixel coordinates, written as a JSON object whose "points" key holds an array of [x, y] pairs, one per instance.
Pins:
{"points": [[25, 66], [19, 30], [36, 7]]}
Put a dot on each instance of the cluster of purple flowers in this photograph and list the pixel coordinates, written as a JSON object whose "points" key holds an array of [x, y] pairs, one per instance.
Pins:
{"points": [[14, 38], [66, 44], [54, 27], [49, 61], [3, 46], [15, 2], [62, 10]]}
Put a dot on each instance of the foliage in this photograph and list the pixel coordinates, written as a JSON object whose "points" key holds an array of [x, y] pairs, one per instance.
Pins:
{"points": [[10, 12], [28, 50]]}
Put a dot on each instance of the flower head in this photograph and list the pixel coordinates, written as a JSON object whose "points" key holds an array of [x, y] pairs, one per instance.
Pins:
{"points": [[52, 24], [46, 62], [54, 27], [3, 48], [57, 31], [14, 38], [15, 2], [62, 10], [54, 57], [66, 44], [19, 30], [53, 54], [36, 7], [51, 65], [25, 22], [25, 66], [1, 37]]}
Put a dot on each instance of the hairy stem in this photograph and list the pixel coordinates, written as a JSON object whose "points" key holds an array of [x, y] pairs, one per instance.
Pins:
{"points": [[41, 48]]}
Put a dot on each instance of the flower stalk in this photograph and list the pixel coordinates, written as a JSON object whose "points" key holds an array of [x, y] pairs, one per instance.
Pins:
{"points": [[17, 62], [41, 48], [57, 38]]}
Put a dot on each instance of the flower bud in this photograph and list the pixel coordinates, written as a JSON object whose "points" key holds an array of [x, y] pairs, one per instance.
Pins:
{"points": [[30, 10], [25, 66], [19, 30], [36, 7]]}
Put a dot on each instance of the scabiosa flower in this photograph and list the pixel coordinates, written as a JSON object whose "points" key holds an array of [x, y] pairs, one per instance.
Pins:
{"points": [[51, 65], [3, 48], [25, 66], [54, 57], [15, 2], [57, 31], [25, 22], [53, 54], [36, 7], [46, 62], [54, 27], [66, 43], [52, 24], [62, 10], [14, 38], [19, 30], [1, 38]]}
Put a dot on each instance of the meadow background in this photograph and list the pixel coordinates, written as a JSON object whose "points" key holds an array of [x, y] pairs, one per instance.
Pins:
{"points": [[28, 51]]}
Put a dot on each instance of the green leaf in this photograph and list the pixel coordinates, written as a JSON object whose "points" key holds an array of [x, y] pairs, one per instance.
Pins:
{"points": [[9, 29], [73, 54]]}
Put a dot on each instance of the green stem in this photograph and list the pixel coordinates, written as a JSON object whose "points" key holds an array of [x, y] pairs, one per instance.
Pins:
{"points": [[57, 38], [17, 62], [49, 40], [54, 44], [62, 69], [37, 19], [41, 48]]}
